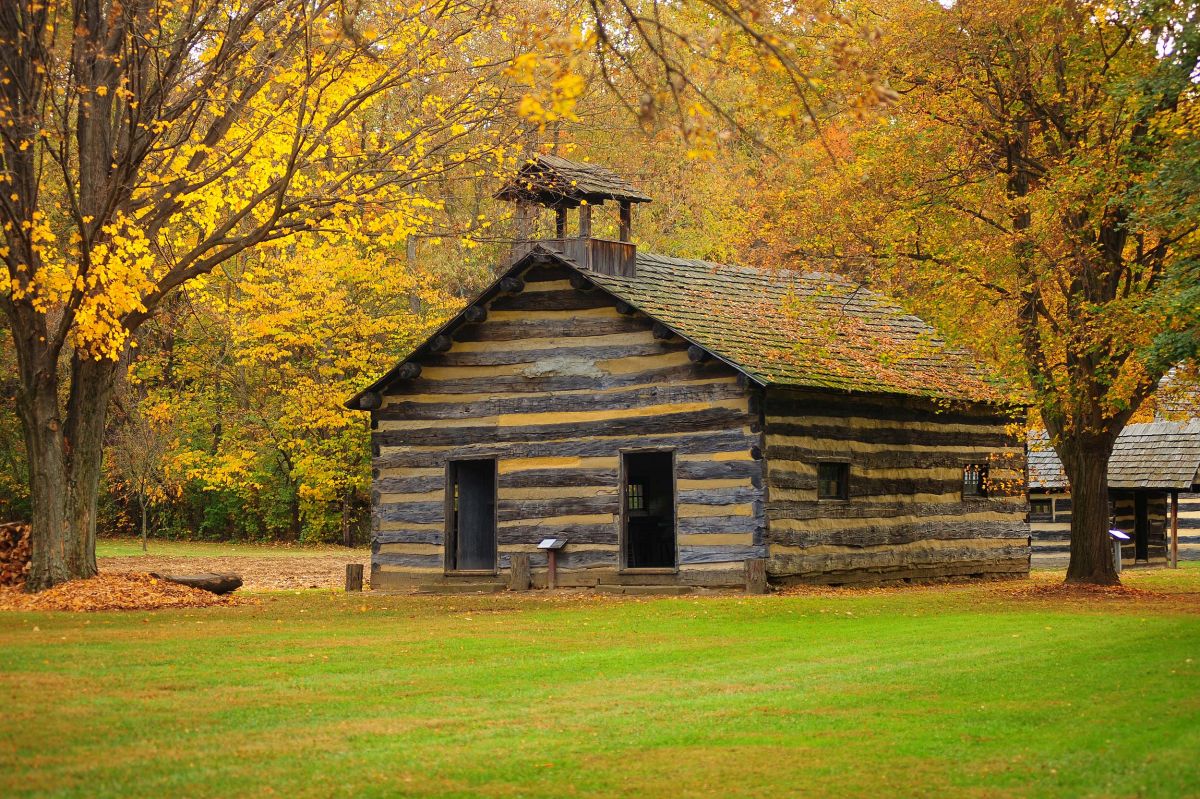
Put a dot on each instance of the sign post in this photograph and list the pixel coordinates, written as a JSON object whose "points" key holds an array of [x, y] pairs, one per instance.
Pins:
{"points": [[552, 545]]}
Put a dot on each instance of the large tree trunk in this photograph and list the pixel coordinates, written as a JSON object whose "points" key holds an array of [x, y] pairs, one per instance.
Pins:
{"points": [[50, 548], [64, 462], [1086, 465]]}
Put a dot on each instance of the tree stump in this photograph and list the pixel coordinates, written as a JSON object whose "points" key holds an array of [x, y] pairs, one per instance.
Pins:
{"points": [[354, 576], [518, 577], [756, 576]]}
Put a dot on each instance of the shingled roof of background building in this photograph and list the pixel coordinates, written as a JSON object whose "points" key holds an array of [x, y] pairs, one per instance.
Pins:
{"points": [[1158, 455], [811, 329], [545, 178], [1178, 394]]}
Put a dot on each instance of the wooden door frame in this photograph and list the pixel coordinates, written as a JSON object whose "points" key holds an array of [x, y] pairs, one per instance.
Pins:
{"points": [[450, 518], [622, 501]]}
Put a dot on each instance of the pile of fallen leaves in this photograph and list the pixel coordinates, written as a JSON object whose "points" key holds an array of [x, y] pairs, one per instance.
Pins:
{"points": [[14, 553], [112, 591]]}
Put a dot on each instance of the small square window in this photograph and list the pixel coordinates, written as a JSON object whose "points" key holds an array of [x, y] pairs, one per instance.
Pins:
{"points": [[635, 497], [833, 480], [1041, 510], [975, 480]]}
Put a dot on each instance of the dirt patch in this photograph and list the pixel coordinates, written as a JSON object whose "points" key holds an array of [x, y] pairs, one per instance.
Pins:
{"points": [[1040, 587], [258, 574], [1057, 590], [1081, 597], [114, 591]]}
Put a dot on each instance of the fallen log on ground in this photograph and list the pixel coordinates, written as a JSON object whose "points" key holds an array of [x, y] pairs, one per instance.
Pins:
{"points": [[209, 581]]}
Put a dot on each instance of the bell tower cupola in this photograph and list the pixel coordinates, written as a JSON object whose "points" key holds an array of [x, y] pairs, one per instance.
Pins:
{"points": [[547, 181]]}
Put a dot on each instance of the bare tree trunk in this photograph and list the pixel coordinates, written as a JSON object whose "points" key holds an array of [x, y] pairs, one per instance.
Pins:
{"points": [[64, 462], [294, 511], [1086, 465], [142, 502], [92, 384], [48, 492]]}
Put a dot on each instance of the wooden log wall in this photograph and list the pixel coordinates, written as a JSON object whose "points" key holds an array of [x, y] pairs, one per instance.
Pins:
{"points": [[1158, 521], [1189, 526], [555, 383], [1052, 534], [905, 517], [1050, 531]]}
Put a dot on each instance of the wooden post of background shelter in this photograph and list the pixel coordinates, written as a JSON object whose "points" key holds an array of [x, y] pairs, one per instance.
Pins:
{"points": [[1174, 529], [626, 220], [526, 222], [354, 576], [518, 576], [756, 575], [585, 221]]}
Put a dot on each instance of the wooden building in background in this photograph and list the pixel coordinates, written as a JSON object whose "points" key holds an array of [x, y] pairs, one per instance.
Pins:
{"points": [[1153, 480], [671, 419]]}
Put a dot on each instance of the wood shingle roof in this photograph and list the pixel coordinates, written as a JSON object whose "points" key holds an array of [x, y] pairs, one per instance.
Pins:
{"points": [[1152, 455], [804, 330], [811, 329], [552, 180]]}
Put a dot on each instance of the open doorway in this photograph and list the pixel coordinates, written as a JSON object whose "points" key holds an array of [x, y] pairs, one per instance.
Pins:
{"points": [[1141, 528], [471, 516], [648, 501]]}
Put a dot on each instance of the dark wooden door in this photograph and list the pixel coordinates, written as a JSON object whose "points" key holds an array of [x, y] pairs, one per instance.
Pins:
{"points": [[1141, 528], [474, 486]]}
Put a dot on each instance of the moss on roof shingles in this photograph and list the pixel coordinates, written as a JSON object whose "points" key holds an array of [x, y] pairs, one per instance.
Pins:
{"points": [[811, 330], [548, 178]]}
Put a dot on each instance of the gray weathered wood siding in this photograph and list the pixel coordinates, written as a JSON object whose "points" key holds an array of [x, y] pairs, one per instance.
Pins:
{"points": [[1052, 534], [1157, 521], [1189, 525], [905, 516], [555, 384]]}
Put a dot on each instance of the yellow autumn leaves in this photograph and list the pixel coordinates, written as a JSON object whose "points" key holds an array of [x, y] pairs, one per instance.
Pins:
{"points": [[110, 279], [268, 355]]}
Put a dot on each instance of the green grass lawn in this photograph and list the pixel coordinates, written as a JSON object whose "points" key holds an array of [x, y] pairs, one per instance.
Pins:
{"points": [[119, 547], [953, 691]]}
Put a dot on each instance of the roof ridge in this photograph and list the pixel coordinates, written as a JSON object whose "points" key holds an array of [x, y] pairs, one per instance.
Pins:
{"points": [[747, 267]]}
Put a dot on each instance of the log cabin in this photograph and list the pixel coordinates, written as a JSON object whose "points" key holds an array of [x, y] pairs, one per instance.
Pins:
{"points": [[675, 422], [1153, 485]]}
